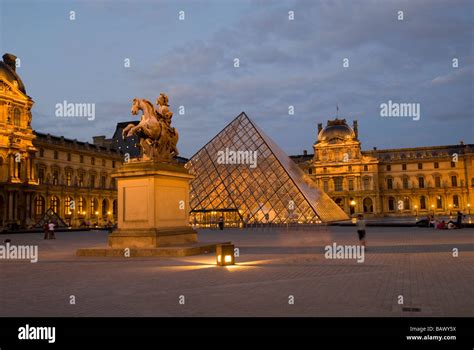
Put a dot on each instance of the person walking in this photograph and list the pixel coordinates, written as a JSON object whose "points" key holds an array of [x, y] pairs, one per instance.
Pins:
{"points": [[221, 223], [459, 219], [46, 230], [51, 230], [361, 229]]}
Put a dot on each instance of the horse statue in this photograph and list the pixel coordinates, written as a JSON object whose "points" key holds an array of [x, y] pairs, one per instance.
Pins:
{"points": [[157, 139]]}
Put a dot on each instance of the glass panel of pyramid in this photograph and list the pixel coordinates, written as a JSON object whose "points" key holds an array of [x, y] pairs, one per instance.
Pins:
{"points": [[241, 170]]}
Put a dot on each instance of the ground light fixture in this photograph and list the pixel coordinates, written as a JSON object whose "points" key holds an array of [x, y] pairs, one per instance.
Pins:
{"points": [[225, 254]]}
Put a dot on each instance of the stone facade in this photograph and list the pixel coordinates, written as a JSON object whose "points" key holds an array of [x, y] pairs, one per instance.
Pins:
{"points": [[392, 182]]}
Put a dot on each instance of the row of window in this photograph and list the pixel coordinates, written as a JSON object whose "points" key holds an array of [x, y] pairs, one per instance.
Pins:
{"points": [[81, 158], [78, 207], [405, 204], [79, 180], [421, 182], [388, 167], [420, 166], [339, 184]]}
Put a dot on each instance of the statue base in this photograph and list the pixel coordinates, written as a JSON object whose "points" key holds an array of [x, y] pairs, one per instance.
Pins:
{"points": [[153, 206]]}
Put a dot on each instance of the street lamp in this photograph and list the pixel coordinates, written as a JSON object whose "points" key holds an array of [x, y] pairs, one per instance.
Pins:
{"points": [[450, 211], [432, 208], [225, 254], [469, 208], [416, 211]]}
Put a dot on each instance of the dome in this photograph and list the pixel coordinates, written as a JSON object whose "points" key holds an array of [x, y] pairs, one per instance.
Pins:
{"points": [[336, 131], [8, 74]]}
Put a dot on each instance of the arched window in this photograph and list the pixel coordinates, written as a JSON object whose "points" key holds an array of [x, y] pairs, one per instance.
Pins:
{"points": [[105, 207], [81, 206], [368, 205], [114, 208], [54, 204], [68, 206], [39, 205], [94, 207]]}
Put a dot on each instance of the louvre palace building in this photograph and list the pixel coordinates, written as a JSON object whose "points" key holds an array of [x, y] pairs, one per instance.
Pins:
{"points": [[415, 181], [43, 175]]}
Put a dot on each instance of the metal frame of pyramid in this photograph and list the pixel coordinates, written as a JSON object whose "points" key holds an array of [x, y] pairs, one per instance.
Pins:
{"points": [[275, 191], [50, 215]]}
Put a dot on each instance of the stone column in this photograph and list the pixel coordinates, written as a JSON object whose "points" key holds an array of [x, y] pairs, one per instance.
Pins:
{"points": [[12, 166], [28, 169], [10, 205]]}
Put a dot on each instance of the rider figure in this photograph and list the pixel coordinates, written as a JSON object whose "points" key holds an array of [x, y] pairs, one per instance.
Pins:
{"points": [[163, 109]]}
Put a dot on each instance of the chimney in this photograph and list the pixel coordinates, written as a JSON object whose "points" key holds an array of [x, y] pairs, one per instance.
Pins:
{"points": [[356, 128], [10, 61], [305, 152], [320, 127], [375, 148], [98, 140]]}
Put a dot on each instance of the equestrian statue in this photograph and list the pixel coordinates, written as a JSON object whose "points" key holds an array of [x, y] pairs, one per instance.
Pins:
{"points": [[157, 138]]}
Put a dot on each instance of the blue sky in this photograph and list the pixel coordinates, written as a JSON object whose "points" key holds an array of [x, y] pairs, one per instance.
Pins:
{"points": [[282, 63]]}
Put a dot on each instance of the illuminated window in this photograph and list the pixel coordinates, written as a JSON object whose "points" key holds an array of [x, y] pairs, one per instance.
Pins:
{"points": [[69, 178], [67, 206], [456, 201], [439, 202], [39, 205], [54, 204]]}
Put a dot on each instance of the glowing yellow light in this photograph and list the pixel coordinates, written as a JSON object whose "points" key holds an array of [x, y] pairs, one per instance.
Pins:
{"points": [[108, 213], [219, 258], [353, 202], [96, 213], [227, 259]]}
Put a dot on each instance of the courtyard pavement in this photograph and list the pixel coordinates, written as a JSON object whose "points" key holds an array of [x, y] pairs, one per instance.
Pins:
{"points": [[275, 267]]}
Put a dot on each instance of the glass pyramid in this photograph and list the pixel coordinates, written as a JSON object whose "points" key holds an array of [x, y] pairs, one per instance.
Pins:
{"points": [[259, 184]]}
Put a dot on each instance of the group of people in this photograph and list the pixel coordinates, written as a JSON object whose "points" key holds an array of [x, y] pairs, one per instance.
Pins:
{"points": [[443, 225], [48, 228]]}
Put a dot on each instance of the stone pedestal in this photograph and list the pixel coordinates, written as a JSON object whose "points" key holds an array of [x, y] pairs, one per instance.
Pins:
{"points": [[153, 206]]}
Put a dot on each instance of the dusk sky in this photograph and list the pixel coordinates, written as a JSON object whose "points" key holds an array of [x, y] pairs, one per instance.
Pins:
{"points": [[282, 63]]}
